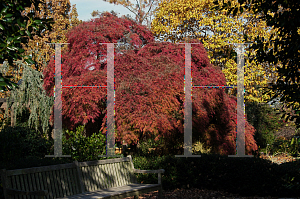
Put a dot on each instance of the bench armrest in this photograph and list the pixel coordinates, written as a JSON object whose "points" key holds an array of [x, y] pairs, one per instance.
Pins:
{"points": [[159, 172], [20, 192], [148, 171]]}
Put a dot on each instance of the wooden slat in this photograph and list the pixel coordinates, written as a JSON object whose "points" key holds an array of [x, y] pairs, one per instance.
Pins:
{"points": [[97, 162], [118, 173], [102, 181], [90, 178], [124, 191], [29, 183], [126, 175], [66, 182], [127, 166], [77, 184], [84, 180], [39, 169], [123, 174], [105, 176], [60, 182], [34, 183], [120, 176], [114, 175], [97, 177], [44, 183], [22, 183], [85, 173], [148, 171], [79, 174], [72, 190], [54, 183], [108, 174], [118, 167], [38, 182], [12, 185], [129, 179], [49, 183], [17, 184], [63, 182], [111, 175], [94, 178]]}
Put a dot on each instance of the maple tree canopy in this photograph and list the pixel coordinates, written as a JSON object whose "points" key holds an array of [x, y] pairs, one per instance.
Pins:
{"points": [[149, 87]]}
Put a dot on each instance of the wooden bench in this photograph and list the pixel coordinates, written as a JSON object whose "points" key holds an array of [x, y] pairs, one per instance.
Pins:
{"points": [[111, 178]]}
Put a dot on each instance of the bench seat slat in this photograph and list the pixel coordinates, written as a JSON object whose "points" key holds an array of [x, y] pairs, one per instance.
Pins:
{"points": [[20, 192], [130, 189]]}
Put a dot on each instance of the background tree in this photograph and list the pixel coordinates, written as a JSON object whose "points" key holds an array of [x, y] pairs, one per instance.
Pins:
{"points": [[143, 9], [91, 57], [181, 19], [15, 30], [65, 19], [282, 15], [148, 83], [40, 52]]}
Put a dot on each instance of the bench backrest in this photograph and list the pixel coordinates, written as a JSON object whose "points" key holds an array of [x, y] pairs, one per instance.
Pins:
{"points": [[70, 179], [102, 174]]}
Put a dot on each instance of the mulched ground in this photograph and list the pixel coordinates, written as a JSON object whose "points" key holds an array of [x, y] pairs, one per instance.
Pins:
{"points": [[212, 194], [195, 194]]}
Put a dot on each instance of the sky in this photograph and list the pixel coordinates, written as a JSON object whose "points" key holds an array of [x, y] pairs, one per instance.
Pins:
{"points": [[86, 7]]}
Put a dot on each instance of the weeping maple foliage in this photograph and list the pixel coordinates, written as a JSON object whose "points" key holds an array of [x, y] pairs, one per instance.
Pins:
{"points": [[149, 88]]}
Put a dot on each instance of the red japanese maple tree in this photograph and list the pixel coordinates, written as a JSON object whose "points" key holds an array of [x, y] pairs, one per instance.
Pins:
{"points": [[149, 87]]}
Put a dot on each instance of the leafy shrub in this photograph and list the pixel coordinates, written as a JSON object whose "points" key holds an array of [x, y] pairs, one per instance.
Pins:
{"points": [[82, 148], [144, 146], [279, 146], [20, 141], [243, 176], [282, 145], [264, 119]]}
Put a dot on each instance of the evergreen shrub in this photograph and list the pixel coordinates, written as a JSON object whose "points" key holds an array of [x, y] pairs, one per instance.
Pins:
{"points": [[264, 119], [82, 148], [19, 141]]}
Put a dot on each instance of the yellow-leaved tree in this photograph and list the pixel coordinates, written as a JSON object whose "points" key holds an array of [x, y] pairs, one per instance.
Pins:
{"points": [[64, 18], [176, 20]]}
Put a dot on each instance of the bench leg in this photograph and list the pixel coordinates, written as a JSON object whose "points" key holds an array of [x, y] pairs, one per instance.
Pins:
{"points": [[160, 194]]}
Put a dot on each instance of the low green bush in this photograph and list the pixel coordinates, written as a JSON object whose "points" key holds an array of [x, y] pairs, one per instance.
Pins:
{"points": [[243, 176], [291, 147], [82, 148], [265, 120], [20, 141], [145, 144]]}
